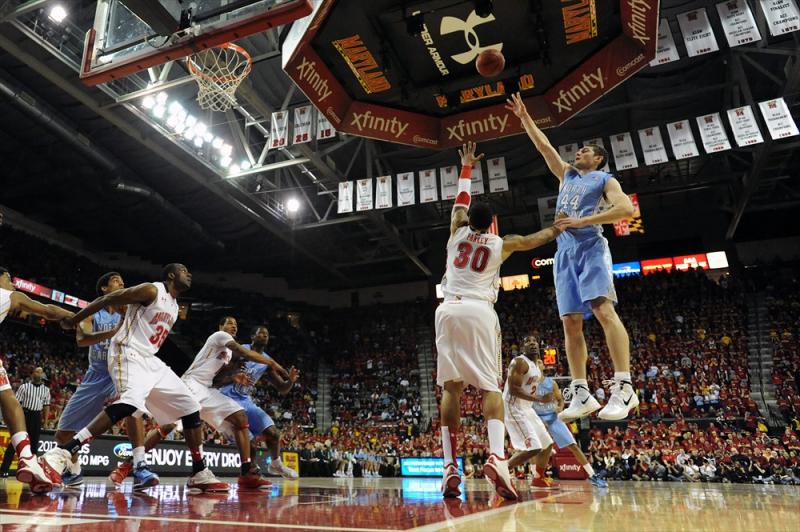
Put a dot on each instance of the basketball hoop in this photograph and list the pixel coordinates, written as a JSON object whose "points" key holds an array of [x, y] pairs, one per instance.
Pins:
{"points": [[218, 71]]}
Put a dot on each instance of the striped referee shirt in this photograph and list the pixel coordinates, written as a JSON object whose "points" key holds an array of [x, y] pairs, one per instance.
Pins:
{"points": [[33, 397]]}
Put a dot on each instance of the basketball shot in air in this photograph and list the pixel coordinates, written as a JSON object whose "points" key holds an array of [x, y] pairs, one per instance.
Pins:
{"points": [[582, 270]]}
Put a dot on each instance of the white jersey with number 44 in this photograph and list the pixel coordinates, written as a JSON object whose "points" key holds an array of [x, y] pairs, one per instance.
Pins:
{"points": [[473, 265], [146, 327]]}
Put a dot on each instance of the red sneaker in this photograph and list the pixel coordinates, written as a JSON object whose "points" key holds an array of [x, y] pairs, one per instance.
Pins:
{"points": [[41, 480], [545, 483], [451, 482], [118, 476], [496, 472], [253, 481]]}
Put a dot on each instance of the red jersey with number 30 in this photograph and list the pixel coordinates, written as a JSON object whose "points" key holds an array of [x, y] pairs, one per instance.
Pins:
{"points": [[146, 327], [473, 265]]}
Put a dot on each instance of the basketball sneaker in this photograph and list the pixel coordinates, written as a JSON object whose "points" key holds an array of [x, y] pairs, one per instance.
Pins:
{"points": [[30, 472], [253, 480], [118, 476], [598, 482], [582, 404], [277, 468], [451, 482], [545, 483], [143, 478], [53, 462], [205, 481], [496, 472], [623, 399]]}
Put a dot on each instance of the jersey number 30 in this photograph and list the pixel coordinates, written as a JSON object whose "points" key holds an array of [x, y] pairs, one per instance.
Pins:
{"points": [[480, 257]]}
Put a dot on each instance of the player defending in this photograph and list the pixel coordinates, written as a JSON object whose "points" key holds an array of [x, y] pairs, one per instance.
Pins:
{"points": [[95, 332], [261, 424], [582, 270], [13, 303], [467, 328], [547, 402], [142, 380]]}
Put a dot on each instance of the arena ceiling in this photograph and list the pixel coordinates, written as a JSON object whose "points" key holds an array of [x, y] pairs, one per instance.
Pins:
{"points": [[88, 161]]}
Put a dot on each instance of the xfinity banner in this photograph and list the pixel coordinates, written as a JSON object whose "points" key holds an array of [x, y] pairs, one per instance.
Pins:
{"points": [[429, 466]]}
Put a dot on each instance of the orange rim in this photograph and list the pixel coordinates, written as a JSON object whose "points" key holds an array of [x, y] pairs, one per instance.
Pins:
{"points": [[194, 71]]}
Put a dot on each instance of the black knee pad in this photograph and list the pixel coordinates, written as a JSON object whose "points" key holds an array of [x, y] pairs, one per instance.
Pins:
{"points": [[191, 421], [119, 411]]}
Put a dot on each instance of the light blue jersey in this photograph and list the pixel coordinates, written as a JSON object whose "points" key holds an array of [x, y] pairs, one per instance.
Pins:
{"points": [[258, 420], [580, 196], [543, 388], [561, 434], [102, 321]]}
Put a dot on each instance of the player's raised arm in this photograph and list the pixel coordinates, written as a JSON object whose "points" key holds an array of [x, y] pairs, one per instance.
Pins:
{"points": [[512, 243], [516, 378], [248, 354], [282, 384], [21, 302], [459, 216], [84, 335], [143, 294], [554, 162]]}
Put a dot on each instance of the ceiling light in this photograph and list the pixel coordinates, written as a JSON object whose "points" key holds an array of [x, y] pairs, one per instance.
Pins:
{"points": [[217, 143], [293, 205], [148, 102], [226, 150], [200, 128], [225, 162], [245, 165], [191, 120], [208, 137], [198, 141], [233, 169], [161, 97], [58, 13], [175, 108], [159, 110]]}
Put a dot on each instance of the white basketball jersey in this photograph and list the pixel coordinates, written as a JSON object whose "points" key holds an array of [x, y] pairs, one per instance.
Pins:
{"points": [[5, 303], [473, 265], [210, 359], [529, 381], [146, 327]]}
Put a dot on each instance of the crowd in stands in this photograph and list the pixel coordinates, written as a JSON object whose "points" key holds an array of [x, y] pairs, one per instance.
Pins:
{"points": [[783, 305]]}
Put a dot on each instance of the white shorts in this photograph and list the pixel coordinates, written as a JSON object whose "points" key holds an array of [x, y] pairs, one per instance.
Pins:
{"points": [[525, 430], [4, 382], [150, 385], [214, 407], [468, 344]]}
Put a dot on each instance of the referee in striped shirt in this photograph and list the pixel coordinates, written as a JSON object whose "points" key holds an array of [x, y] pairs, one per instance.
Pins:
{"points": [[34, 397]]}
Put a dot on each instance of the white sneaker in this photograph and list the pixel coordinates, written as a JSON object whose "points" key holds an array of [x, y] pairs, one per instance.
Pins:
{"points": [[276, 467], [623, 399], [29, 471], [451, 481], [582, 404], [496, 472], [205, 481]]}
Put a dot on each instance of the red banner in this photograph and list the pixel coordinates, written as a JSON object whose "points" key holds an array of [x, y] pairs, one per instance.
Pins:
{"points": [[640, 24], [684, 262], [655, 265], [32, 288], [317, 82]]}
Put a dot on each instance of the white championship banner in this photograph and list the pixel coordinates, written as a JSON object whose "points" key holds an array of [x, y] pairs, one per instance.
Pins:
{"points": [[744, 126], [666, 52], [427, 186], [383, 192], [782, 16], [738, 22], [279, 129], [476, 185], [405, 189], [567, 152], [778, 119], [599, 142], [624, 154], [449, 175], [652, 145], [498, 179], [302, 124], [682, 140], [325, 129], [345, 197], [712, 133], [363, 194], [697, 33]]}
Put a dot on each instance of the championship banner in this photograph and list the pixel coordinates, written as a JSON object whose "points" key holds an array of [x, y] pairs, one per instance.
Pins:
{"points": [[324, 128], [364, 194], [666, 51], [712, 133], [427, 186], [279, 129], [567, 152], [697, 32], [652, 145], [598, 142], [744, 126], [302, 124], [547, 210], [624, 154], [778, 119], [738, 22], [345, 197], [635, 224], [682, 140], [405, 189], [782, 16], [449, 175], [383, 192], [498, 179], [476, 184]]}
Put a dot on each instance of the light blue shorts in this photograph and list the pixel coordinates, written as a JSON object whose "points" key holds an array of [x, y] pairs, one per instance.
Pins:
{"points": [[88, 400], [583, 273], [258, 420], [558, 430]]}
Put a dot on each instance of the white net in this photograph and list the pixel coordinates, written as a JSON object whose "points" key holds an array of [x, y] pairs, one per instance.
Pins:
{"points": [[218, 72]]}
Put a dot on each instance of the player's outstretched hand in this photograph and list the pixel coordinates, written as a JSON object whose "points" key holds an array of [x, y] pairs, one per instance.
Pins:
{"points": [[244, 379], [467, 154], [516, 106], [294, 374], [280, 371]]}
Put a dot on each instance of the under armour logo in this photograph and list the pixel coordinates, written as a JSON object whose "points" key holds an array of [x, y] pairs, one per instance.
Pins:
{"points": [[454, 24]]}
